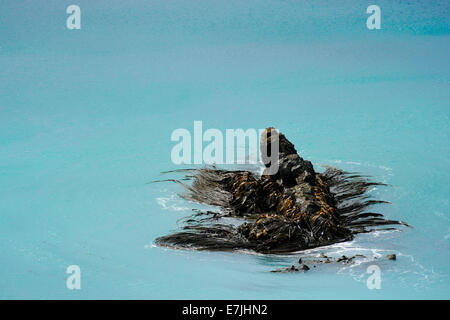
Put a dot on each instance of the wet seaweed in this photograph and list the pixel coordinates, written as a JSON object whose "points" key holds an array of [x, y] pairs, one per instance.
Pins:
{"points": [[294, 210]]}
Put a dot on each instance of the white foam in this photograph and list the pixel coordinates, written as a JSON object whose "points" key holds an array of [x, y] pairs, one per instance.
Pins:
{"points": [[172, 203], [388, 170]]}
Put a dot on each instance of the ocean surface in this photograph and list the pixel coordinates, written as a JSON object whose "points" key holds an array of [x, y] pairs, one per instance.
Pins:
{"points": [[86, 118]]}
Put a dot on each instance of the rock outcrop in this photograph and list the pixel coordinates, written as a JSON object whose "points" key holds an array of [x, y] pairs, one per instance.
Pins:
{"points": [[294, 209]]}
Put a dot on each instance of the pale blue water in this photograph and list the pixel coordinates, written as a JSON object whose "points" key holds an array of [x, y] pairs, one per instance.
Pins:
{"points": [[86, 117]]}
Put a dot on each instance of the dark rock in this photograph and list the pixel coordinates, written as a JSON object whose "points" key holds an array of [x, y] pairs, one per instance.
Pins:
{"points": [[304, 267], [345, 259], [392, 257], [286, 270], [300, 260]]}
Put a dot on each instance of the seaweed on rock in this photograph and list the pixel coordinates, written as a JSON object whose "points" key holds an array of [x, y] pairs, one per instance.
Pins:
{"points": [[294, 209]]}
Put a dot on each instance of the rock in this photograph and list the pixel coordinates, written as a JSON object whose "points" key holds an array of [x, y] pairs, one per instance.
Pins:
{"points": [[304, 267], [290, 209], [345, 259], [315, 262], [391, 257], [286, 270]]}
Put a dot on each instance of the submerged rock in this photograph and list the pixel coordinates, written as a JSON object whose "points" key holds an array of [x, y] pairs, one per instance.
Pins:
{"points": [[294, 209], [286, 270], [323, 259], [308, 262], [303, 267]]}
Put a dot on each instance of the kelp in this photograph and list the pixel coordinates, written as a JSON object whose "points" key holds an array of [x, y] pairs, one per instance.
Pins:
{"points": [[294, 209]]}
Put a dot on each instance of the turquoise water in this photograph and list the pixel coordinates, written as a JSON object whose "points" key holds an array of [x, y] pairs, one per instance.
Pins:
{"points": [[86, 117]]}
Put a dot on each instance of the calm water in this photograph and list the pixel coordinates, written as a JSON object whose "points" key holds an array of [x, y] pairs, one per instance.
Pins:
{"points": [[86, 117]]}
